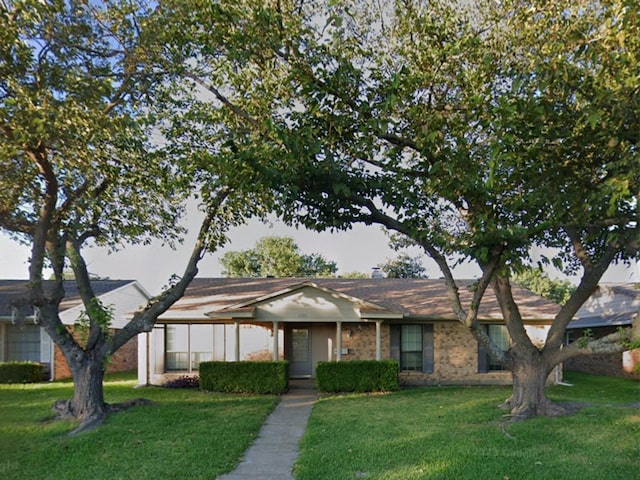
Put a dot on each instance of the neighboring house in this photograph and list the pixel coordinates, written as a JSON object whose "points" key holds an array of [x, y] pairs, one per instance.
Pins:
{"points": [[22, 339], [611, 307], [325, 319]]}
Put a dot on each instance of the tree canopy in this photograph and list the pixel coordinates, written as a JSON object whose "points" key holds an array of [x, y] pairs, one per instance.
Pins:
{"points": [[479, 130], [404, 266], [89, 156], [476, 129], [536, 280], [276, 257]]}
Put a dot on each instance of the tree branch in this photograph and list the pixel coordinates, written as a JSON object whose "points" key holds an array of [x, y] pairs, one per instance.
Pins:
{"points": [[224, 100], [45, 217], [613, 343], [74, 195], [591, 276], [510, 311], [83, 281], [144, 320]]}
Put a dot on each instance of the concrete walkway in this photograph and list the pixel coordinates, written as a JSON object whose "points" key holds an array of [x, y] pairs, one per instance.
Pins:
{"points": [[273, 453]]}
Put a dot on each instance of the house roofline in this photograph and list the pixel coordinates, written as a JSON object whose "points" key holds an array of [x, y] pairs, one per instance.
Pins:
{"points": [[370, 306]]}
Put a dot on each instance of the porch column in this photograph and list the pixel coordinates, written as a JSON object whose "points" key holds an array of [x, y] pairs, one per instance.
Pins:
{"points": [[378, 340], [237, 332], [276, 350], [338, 341]]}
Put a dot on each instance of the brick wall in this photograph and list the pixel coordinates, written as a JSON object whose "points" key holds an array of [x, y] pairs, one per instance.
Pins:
{"points": [[360, 339], [455, 355], [126, 358]]}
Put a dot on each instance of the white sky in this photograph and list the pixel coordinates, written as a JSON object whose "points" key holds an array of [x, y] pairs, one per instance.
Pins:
{"points": [[358, 249]]}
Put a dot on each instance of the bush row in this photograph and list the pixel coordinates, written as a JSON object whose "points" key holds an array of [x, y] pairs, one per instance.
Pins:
{"points": [[20, 372], [245, 377], [357, 376]]}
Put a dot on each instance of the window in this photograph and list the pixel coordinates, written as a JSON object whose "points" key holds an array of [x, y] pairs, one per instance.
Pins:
{"points": [[412, 347], [177, 350], [187, 346], [23, 343], [200, 345], [500, 336]]}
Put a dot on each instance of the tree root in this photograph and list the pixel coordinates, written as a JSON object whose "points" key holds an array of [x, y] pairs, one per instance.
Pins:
{"points": [[88, 424], [63, 410], [546, 409]]}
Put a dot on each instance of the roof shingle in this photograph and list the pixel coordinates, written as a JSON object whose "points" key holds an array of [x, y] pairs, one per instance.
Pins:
{"points": [[15, 290], [412, 297]]}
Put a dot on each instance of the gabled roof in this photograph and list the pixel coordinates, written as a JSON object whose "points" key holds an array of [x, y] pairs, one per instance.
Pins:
{"points": [[613, 320], [14, 290], [611, 305], [363, 304], [414, 298]]}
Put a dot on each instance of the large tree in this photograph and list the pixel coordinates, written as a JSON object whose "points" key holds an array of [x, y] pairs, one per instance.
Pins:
{"points": [[477, 129], [483, 132], [276, 257], [90, 154]]}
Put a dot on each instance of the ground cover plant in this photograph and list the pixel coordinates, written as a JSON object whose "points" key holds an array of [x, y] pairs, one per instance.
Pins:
{"points": [[457, 433], [184, 434]]}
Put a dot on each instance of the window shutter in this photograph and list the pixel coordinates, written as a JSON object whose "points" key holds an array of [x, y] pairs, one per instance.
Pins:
{"points": [[394, 333], [427, 348], [483, 358]]}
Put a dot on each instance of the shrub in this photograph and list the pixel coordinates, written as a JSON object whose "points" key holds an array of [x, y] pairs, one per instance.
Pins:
{"points": [[357, 376], [182, 382], [20, 372], [245, 377]]}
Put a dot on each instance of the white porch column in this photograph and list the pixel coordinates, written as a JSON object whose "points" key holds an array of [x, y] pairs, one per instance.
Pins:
{"points": [[338, 341], [276, 349], [237, 332], [378, 340], [143, 358]]}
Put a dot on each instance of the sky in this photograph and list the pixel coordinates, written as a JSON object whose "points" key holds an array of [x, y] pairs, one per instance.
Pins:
{"points": [[358, 249]]}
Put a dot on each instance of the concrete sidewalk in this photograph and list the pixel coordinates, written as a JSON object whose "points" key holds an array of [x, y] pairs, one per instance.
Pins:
{"points": [[273, 453]]}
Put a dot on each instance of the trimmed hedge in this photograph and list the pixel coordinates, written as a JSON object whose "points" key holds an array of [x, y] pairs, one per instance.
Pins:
{"points": [[357, 376], [245, 377], [21, 372]]}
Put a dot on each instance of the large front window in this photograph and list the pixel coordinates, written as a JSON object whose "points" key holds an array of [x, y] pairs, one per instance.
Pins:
{"points": [[187, 345]]}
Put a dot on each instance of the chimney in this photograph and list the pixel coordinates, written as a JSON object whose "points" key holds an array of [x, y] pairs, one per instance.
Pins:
{"points": [[376, 273]]}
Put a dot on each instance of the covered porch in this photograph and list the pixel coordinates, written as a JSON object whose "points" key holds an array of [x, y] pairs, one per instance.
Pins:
{"points": [[304, 323], [176, 349]]}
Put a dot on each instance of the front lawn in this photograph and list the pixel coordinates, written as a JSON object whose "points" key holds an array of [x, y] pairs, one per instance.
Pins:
{"points": [[185, 434], [457, 433]]}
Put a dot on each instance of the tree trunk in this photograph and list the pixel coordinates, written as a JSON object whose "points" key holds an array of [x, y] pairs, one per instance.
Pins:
{"points": [[528, 398], [87, 405]]}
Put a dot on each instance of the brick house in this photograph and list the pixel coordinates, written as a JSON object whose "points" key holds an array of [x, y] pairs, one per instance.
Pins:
{"points": [[611, 307], [22, 339], [327, 319]]}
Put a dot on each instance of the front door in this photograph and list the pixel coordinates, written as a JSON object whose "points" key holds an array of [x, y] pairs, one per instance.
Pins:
{"points": [[300, 352]]}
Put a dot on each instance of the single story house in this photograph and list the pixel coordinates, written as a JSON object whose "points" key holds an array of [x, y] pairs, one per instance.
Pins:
{"points": [[609, 308], [22, 339], [332, 319]]}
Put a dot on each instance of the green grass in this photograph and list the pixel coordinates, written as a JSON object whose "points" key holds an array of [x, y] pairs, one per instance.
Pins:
{"points": [[185, 434], [457, 433], [427, 433]]}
